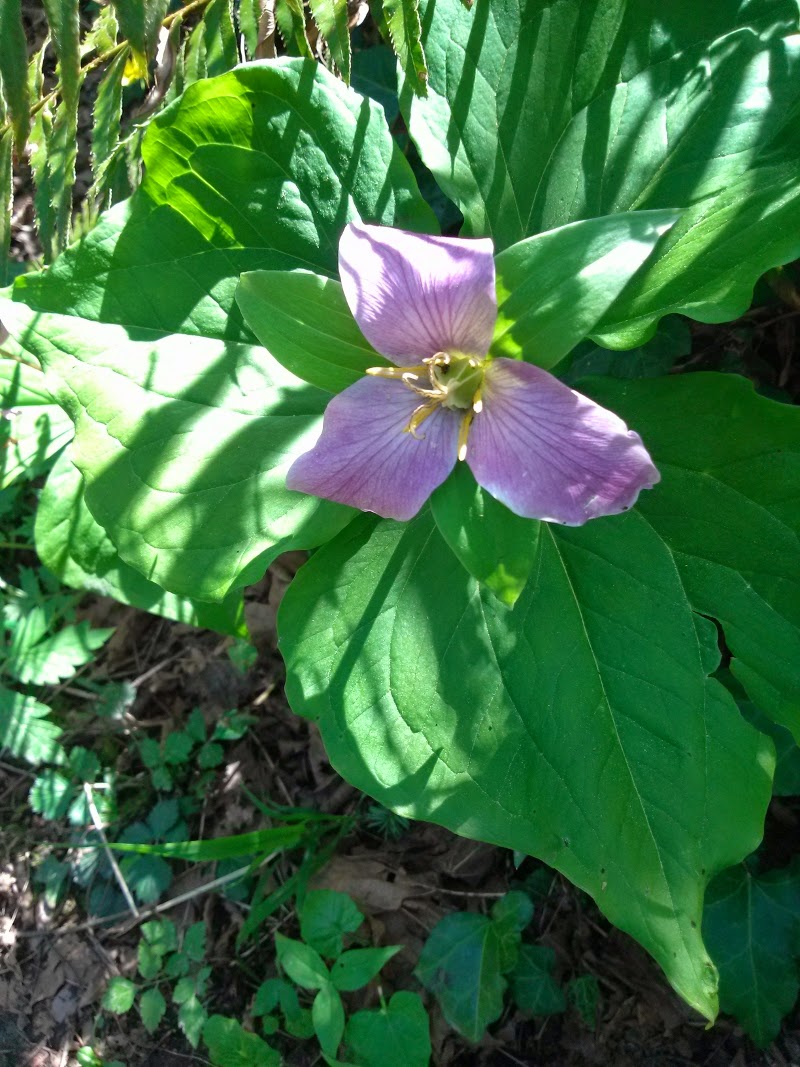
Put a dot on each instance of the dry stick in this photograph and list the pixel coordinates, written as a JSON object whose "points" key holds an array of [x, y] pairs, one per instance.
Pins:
{"points": [[156, 909], [98, 825]]}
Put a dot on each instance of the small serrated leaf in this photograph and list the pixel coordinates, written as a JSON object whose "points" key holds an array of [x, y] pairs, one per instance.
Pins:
{"points": [[405, 34], [191, 1018], [14, 72], [331, 19], [151, 1008], [139, 23], [119, 996], [26, 731], [107, 112], [290, 19]]}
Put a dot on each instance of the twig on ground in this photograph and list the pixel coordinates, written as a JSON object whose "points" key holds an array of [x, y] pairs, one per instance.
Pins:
{"points": [[98, 825]]}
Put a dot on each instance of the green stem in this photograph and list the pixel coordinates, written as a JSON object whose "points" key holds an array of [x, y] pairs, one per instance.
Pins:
{"points": [[17, 545]]}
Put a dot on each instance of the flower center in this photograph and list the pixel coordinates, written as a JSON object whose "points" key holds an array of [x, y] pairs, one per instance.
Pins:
{"points": [[447, 379]]}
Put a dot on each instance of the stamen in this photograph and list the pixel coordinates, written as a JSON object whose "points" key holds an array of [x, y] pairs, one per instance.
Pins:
{"points": [[418, 416], [463, 433], [434, 392], [441, 359], [396, 372], [477, 402]]}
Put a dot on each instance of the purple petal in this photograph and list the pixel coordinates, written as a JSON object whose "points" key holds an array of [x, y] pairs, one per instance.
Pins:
{"points": [[547, 452], [364, 457], [413, 296]]}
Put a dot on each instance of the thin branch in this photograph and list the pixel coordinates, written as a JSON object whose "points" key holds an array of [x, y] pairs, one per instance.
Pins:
{"points": [[98, 825]]}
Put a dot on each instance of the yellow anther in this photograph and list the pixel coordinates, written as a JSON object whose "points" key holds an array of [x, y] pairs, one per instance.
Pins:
{"points": [[477, 402]]}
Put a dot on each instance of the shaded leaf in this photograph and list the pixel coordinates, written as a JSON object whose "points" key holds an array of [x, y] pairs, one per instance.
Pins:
{"points": [[358, 966], [495, 546], [303, 320], [462, 965], [533, 987], [151, 1008], [395, 1036], [231, 1046], [325, 916], [752, 926]]}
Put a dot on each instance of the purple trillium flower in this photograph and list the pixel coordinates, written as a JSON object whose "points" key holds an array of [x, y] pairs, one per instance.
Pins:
{"points": [[428, 304]]}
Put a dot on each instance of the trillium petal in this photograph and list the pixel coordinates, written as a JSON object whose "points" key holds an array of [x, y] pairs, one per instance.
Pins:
{"points": [[365, 458], [547, 452], [413, 296]]}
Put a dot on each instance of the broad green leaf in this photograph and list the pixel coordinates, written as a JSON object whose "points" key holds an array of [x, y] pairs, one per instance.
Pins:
{"points": [[206, 509], [33, 428], [375, 75], [444, 705], [327, 1015], [26, 731], [219, 163], [542, 113], [184, 459], [303, 320], [358, 966], [151, 1008], [302, 963], [253, 843], [331, 16], [77, 550], [786, 782], [533, 987], [57, 657], [462, 964], [496, 546], [396, 1036], [14, 72], [118, 998], [707, 266], [728, 510], [325, 916], [405, 32], [752, 927], [231, 1046], [553, 289]]}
